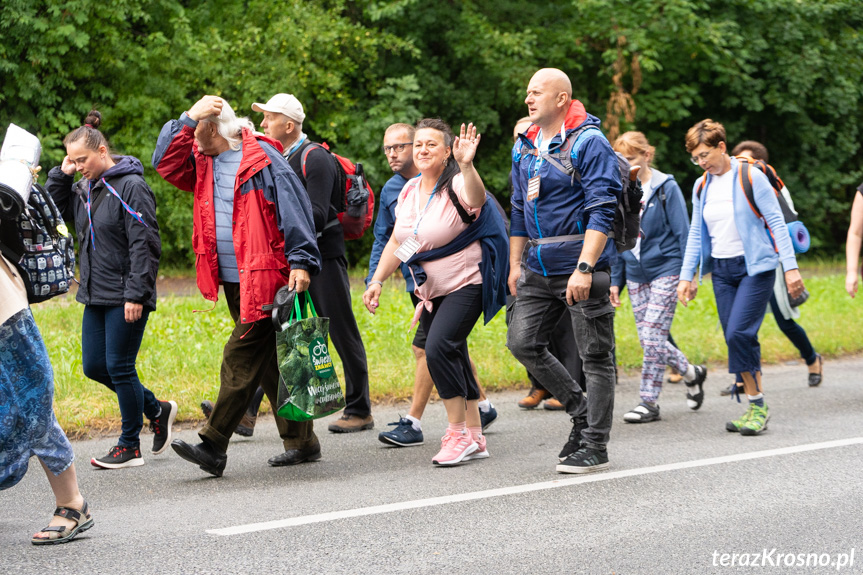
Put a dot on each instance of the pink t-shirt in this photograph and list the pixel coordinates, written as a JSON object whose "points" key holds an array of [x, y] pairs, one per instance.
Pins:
{"points": [[439, 225]]}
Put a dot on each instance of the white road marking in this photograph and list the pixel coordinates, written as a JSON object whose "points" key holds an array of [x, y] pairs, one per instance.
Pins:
{"points": [[565, 481]]}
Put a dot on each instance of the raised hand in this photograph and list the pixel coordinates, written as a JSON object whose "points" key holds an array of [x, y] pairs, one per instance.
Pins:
{"points": [[68, 167], [465, 144], [206, 107]]}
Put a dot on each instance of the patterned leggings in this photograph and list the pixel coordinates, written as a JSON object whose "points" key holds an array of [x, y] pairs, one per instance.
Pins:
{"points": [[653, 305]]}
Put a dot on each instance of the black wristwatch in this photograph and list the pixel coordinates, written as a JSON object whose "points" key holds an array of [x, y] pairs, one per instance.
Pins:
{"points": [[585, 268]]}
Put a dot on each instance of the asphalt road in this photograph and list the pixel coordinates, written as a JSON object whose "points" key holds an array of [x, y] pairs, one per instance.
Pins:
{"points": [[680, 493]]}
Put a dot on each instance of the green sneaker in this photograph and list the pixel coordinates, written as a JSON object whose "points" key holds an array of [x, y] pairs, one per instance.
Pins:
{"points": [[757, 421], [734, 426]]}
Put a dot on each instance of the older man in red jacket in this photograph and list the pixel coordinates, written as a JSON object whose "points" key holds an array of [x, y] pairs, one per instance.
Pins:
{"points": [[252, 233]]}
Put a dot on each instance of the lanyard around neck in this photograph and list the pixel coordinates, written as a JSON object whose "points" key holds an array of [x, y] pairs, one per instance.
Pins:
{"points": [[136, 215], [296, 146], [421, 214]]}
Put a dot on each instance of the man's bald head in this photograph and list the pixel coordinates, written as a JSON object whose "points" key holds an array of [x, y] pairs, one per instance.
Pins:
{"points": [[549, 95], [554, 79]]}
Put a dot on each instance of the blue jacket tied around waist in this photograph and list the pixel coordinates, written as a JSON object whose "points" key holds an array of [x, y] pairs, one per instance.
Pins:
{"points": [[490, 229]]}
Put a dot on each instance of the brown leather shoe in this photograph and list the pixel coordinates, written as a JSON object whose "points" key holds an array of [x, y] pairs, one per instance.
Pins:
{"points": [[246, 427], [552, 404], [350, 423], [534, 398]]}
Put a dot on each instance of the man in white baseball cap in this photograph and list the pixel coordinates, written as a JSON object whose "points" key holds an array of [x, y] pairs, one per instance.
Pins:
{"points": [[286, 104], [318, 171], [283, 120]]}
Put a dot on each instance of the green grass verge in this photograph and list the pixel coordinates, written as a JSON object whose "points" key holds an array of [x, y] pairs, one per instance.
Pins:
{"points": [[181, 352]]}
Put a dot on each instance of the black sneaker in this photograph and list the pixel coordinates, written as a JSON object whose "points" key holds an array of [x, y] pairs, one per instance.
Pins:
{"points": [[585, 460], [574, 441], [486, 418], [119, 457], [695, 388], [161, 426]]}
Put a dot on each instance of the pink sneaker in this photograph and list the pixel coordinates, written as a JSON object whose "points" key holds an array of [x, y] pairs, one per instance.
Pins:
{"points": [[481, 451], [454, 447]]}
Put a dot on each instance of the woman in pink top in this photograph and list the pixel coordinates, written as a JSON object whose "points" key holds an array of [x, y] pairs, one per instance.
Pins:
{"points": [[451, 297]]}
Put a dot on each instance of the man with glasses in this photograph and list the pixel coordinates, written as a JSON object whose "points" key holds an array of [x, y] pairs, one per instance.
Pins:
{"points": [[398, 148]]}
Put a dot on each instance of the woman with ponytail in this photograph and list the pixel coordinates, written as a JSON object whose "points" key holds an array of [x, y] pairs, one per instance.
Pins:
{"points": [[114, 211]]}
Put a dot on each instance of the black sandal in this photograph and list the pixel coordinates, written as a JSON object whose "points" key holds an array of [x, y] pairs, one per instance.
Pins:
{"points": [[815, 378], [64, 534]]}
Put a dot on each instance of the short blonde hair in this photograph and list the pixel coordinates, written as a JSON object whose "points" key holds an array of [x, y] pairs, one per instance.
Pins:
{"points": [[410, 130], [631, 143], [525, 120], [705, 132]]}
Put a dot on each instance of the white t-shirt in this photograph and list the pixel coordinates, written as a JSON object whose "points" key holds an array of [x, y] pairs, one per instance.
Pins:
{"points": [[718, 214]]}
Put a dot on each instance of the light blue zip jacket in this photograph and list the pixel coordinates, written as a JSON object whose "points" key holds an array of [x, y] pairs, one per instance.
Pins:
{"points": [[759, 244]]}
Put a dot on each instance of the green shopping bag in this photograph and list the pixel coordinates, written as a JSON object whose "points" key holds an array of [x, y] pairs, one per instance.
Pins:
{"points": [[308, 385]]}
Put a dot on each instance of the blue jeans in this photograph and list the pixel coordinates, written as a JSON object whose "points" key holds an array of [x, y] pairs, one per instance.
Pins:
{"points": [[741, 301], [794, 332], [109, 348], [535, 313]]}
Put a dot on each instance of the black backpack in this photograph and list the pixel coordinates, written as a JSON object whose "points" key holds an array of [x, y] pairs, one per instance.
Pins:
{"points": [[627, 216], [39, 243]]}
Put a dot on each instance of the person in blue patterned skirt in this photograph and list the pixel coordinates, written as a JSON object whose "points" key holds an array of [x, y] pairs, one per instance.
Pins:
{"points": [[27, 423]]}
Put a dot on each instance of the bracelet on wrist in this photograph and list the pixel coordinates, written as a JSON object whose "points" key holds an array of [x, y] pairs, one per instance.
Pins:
{"points": [[371, 283]]}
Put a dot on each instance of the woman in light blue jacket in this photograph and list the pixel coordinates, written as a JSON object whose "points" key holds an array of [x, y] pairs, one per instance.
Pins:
{"points": [[727, 238], [650, 272]]}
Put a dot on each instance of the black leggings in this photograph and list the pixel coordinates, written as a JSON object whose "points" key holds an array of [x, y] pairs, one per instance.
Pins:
{"points": [[447, 326]]}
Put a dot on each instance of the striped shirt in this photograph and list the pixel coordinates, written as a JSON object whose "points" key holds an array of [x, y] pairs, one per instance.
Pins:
{"points": [[225, 167]]}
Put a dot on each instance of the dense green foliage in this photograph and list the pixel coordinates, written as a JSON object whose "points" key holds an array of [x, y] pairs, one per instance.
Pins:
{"points": [[785, 72]]}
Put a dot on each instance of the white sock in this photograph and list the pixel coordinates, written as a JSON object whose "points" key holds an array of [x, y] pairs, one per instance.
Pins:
{"points": [[755, 397], [485, 406], [690, 373], [415, 422]]}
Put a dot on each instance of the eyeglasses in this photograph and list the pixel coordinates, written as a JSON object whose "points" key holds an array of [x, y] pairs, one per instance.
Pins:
{"points": [[399, 148], [701, 157]]}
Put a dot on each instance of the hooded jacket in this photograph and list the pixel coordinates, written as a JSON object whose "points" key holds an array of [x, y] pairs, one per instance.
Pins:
{"points": [[123, 264], [565, 206], [273, 224], [664, 228]]}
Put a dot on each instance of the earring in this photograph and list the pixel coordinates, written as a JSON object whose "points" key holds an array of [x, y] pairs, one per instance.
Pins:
{"points": [[445, 161]]}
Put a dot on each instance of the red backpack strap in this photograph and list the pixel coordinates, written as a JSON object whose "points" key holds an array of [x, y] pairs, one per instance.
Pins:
{"points": [[305, 155]]}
